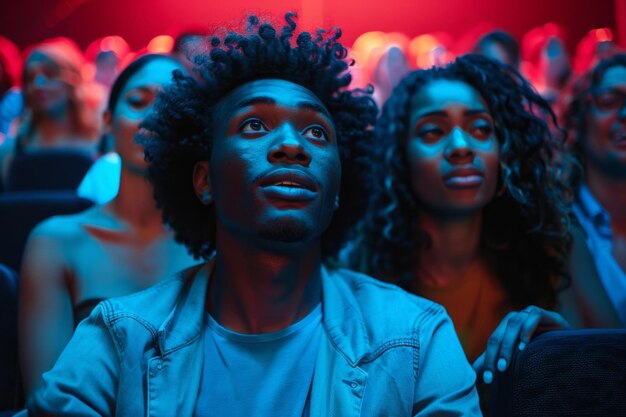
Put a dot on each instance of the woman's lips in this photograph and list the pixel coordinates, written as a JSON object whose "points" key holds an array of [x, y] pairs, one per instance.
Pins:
{"points": [[471, 181], [463, 178]]}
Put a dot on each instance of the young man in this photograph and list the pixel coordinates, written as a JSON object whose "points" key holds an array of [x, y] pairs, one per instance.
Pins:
{"points": [[597, 119], [248, 168]]}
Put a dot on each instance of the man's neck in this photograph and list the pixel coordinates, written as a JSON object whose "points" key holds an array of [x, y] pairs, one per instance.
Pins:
{"points": [[257, 290], [454, 251], [611, 194]]}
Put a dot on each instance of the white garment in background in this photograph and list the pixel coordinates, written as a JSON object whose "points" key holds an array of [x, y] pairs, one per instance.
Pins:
{"points": [[102, 181]]}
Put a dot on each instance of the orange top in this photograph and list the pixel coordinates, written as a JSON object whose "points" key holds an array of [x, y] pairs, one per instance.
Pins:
{"points": [[476, 304]]}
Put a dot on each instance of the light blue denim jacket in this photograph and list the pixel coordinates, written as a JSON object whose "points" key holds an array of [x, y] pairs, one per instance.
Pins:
{"points": [[384, 353]]}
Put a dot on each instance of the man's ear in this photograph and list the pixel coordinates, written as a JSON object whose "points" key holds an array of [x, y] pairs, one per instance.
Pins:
{"points": [[202, 183]]}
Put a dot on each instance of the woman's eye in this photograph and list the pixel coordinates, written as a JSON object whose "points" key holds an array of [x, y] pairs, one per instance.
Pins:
{"points": [[140, 101], [482, 130], [50, 73], [137, 102], [253, 126], [315, 132], [430, 134]]}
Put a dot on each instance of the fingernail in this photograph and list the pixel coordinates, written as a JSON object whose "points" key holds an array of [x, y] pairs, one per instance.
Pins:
{"points": [[522, 346], [501, 364], [487, 377]]}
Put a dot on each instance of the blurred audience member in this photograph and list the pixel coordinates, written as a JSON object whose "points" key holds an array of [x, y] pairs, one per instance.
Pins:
{"points": [[465, 208], [546, 61], [500, 46], [391, 68], [596, 120], [58, 110], [105, 57], [11, 101], [101, 183], [596, 45], [431, 49], [73, 262], [186, 45]]}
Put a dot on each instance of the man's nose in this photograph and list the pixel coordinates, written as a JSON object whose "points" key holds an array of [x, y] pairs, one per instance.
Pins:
{"points": [[288, 147]]}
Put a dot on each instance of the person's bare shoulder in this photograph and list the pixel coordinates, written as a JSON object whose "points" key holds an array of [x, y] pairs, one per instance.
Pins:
{"points": [[67, 228], [54, 241]]}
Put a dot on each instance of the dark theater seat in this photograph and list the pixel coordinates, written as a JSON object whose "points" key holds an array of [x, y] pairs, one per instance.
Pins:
{"points": [[57, 169], [561, 373], [20, 212], [8, 344]]}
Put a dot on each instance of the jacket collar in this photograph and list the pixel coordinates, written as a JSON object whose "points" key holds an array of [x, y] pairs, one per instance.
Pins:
{"points": [[342, 319], [591, 206], [184, 323]]}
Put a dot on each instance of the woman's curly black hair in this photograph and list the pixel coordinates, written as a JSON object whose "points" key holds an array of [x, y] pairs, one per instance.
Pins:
{"points": [[525, 230], [576, 111], [181, 129]]}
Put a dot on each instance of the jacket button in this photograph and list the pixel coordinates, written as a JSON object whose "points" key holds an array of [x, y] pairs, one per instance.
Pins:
{"points": [[351, 384], [159, 366]]}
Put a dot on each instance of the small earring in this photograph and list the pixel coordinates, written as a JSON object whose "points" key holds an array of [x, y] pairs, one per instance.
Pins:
{"points": [[336, 202], [206, 197]]}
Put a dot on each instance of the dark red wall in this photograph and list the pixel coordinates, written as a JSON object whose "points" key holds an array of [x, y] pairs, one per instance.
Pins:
{"points": [[27, 21]]}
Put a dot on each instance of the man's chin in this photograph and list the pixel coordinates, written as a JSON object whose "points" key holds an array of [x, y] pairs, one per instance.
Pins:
{"points": [[286, 230]]}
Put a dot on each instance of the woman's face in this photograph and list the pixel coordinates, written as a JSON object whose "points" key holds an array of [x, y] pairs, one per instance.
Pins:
{"points": [[44, 87], [135, 102], [452, 149]]}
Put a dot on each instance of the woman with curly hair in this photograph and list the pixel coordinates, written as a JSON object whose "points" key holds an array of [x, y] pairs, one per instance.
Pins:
{"points": [[248, 168], [466, 208]]}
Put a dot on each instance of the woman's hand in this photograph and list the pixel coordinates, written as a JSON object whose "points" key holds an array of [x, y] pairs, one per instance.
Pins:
{"points": [[515, 331]]}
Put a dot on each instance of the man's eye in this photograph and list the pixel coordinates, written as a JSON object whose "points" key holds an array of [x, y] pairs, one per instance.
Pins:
{"points": [[315, 132], [252, 126], [608, 101]]}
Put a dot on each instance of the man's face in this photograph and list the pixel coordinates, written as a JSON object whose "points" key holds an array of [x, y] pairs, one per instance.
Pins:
{"points": [[604, 144], [274, 168]]}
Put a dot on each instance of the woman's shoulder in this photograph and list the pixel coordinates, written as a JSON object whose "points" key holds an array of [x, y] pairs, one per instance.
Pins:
{"points": [[69, 226]]}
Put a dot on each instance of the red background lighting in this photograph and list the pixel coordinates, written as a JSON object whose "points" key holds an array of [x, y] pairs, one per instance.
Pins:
{"points": [[138, 21]]}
